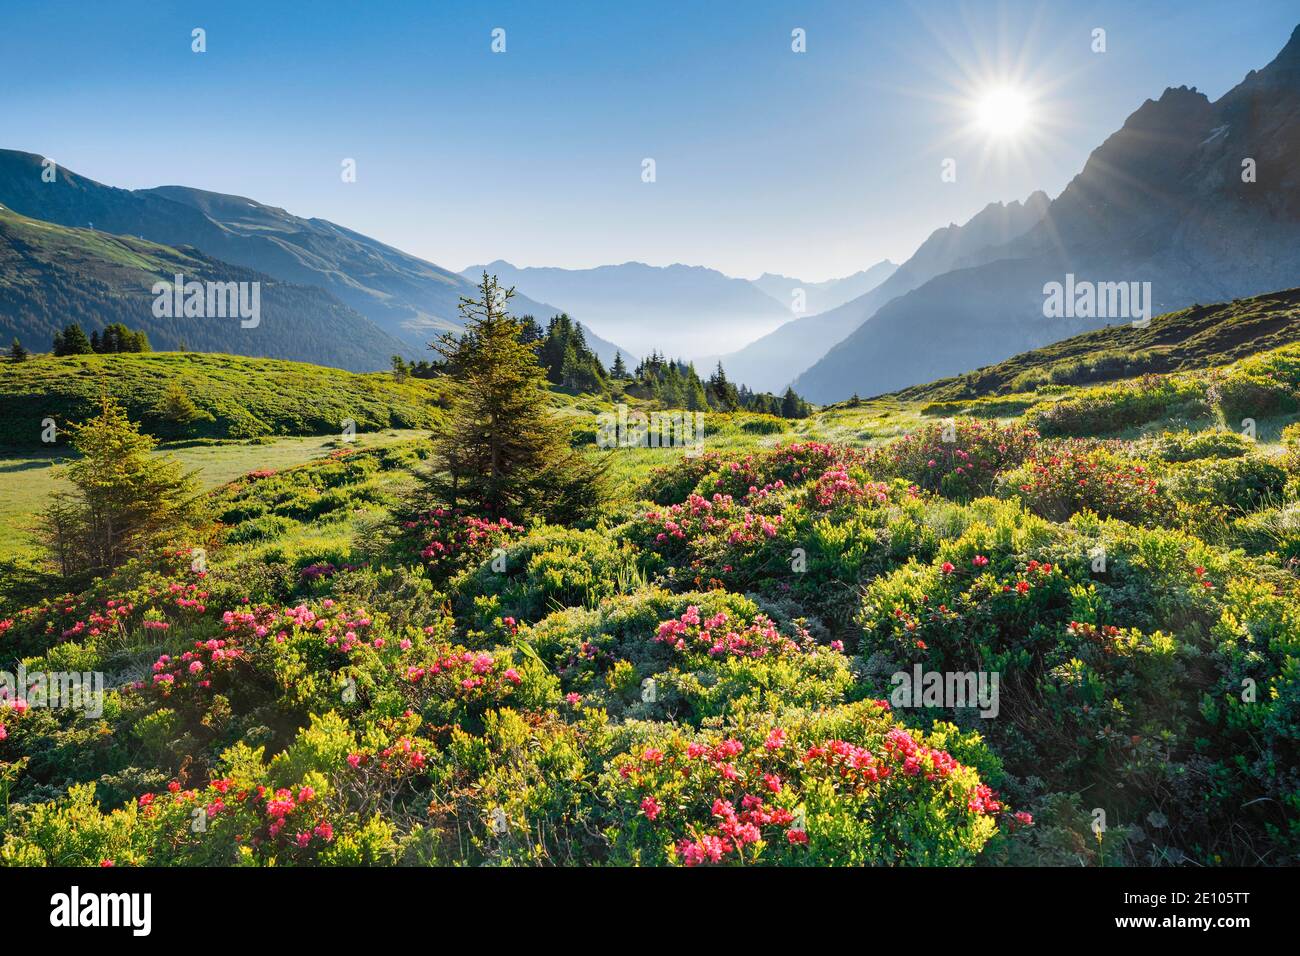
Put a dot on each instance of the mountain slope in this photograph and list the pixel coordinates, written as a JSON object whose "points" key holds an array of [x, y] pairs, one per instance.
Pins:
{"points": [[685, 311], [1161, 201], [51, 275], [774, 360], [241, 396], [1201, 336], [410, 299], [823, 296]]}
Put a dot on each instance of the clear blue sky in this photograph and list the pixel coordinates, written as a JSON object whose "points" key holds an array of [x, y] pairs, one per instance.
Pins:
{"points": [[814, 164]]}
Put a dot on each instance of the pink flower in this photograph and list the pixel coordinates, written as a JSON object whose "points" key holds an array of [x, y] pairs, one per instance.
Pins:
{"points": [[650, 807], [948, 567], [796, 837]]}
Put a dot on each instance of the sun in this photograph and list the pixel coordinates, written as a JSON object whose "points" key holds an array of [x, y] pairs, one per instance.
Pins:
{"points": [[1002, 112]]}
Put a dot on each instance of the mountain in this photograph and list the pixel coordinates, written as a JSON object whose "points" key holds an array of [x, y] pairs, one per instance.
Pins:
{"points": [[1201, 336], [411, 300], [822, 296], [1163, 200], [685, 311], [51, 275], [773, 361]]}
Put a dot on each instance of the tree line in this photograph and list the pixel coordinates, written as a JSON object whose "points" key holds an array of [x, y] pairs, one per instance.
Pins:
{"points": [[570, 363]]}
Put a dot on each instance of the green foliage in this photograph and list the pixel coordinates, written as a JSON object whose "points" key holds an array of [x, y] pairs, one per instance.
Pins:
{"points": [[235, 397], [1186, 445], [125, 499], [704, 676], [1240, 484], [502, 450], [1103, 410], [563, 352]]}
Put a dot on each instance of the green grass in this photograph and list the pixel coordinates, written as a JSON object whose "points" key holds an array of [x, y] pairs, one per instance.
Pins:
{"points": [[244, 397], [28, 481]]}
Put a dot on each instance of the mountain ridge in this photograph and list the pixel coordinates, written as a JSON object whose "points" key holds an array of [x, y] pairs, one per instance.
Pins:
{"points": [[1162, 200]]}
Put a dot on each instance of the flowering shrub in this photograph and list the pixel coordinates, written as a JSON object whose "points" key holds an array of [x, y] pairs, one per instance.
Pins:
{"points": [[701, 525], [716, 636], [740, 478], [1090, 690], [847, 787], [957, 459], [447, 539], [1070, 480]]}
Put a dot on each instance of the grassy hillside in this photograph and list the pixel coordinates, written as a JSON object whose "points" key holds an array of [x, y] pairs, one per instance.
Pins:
{"points": [[705, 672], [1200, 336], [52, 275], [29, 480], [240, 397]]}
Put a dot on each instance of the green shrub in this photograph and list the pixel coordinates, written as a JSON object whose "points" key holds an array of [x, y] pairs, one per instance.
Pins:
{"points": [[1189, 446], [1241, 395], [1239, 484], [1110, 408]]}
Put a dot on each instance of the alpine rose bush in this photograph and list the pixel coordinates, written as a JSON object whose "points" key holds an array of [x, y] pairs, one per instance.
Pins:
{"points": [[958, 459]]}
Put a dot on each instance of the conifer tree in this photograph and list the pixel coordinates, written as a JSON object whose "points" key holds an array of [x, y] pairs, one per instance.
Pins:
{"points": [[72, 341], [722, 394], [177, 406], [123, 499], [502, 451]]}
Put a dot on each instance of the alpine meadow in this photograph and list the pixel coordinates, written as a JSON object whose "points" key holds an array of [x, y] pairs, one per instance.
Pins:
{"points": [[872, 441]]}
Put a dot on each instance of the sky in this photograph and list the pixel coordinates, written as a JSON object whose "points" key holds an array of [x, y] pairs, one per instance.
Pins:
{"points": [[812, 164]]}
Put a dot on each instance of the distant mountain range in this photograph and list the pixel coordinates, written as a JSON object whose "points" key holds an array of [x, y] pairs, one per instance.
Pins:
{"points": [[1162, 201], [775, 360], [409, 300], [684, 311], [823, 296], [1198, 199]]}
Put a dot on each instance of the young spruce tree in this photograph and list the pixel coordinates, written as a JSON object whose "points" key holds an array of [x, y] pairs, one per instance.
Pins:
{"points": [[123, 500], [502, 451]]}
